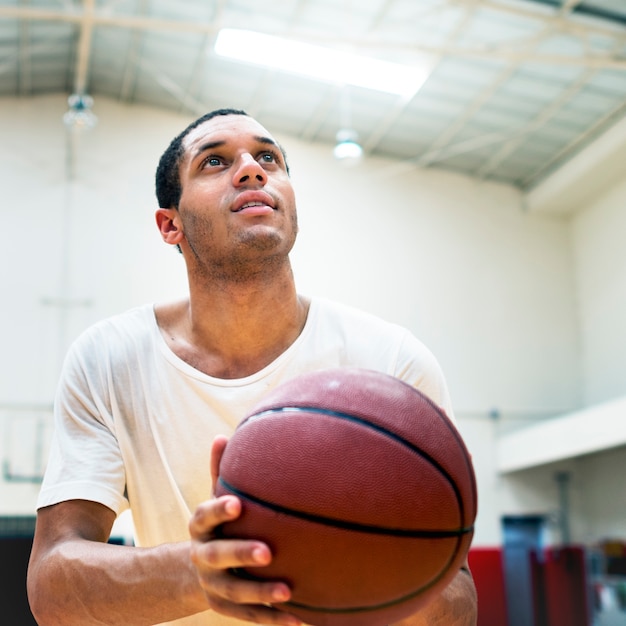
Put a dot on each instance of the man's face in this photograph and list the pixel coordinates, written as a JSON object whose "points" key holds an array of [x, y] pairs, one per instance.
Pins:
{"points": [[237, 204]]}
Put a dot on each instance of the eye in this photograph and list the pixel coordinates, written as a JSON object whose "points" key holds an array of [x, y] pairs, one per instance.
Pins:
{"points": [[269, 157], [212, 161]]}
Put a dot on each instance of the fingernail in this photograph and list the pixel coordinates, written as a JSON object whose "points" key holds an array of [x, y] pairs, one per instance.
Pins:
{"points": [[230, 506], [260, 555], [280, 595]]}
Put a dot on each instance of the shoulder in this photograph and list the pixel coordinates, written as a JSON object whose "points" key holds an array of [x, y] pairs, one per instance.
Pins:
{"points": [[366, 340], [127, 323], [363, 329], [126, 332], [338, 314], [364, 333]]}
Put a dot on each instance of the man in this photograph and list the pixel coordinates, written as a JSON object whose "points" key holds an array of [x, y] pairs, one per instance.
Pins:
{"points": [[146, 398]]}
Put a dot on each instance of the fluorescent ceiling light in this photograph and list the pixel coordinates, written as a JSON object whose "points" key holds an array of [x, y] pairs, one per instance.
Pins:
{"points": [[324, 64]]}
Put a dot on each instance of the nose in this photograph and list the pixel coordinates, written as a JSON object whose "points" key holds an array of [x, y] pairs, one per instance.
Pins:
{"points": [[249, 171]]}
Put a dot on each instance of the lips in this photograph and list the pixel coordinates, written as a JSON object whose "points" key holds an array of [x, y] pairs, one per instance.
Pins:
{"points": [[249, 204], [250, 199]]}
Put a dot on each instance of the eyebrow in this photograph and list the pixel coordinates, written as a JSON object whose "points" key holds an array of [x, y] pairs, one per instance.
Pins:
{"points": [[267, 140], [208, 146], [217, 144]]}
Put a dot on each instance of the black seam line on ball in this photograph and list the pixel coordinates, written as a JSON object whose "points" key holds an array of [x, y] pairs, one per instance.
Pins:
{"points": [[339, 523], [363, 609], [379, 429], [242, 573]]}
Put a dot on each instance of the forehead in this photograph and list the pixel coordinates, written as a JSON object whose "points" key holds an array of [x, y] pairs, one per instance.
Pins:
{"points": [[225, 128]]}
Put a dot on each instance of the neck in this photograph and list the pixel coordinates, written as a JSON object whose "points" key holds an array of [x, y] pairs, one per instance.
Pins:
{"points": [[233, 329]]}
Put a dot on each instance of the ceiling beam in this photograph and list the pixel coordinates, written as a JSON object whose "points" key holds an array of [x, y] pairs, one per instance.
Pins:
{"points": [[611, 142], [599, 61], [585, 10], [83, 51], [24, 71], [543, 116], [105, 19], [540, 120], [605, 21], [400, 106], [439, 146]]}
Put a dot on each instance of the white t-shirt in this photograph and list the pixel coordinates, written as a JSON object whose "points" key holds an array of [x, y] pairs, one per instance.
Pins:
{"points": [[135, 423]]}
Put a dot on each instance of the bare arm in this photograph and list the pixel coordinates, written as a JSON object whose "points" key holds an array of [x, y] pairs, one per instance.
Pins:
{"points": [[456, 606], [76, 578]]}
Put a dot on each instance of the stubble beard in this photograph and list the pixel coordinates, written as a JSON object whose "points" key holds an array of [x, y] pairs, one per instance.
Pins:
{"points": [[255, 256]]}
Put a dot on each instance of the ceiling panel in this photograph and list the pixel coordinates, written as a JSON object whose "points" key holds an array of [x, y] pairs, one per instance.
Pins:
{"points": [[516, 87]]}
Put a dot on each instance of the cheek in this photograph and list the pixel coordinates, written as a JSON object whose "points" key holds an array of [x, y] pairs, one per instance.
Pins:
{"points": [[289, 199], [195, 226], [294, 221], [291, 212]]}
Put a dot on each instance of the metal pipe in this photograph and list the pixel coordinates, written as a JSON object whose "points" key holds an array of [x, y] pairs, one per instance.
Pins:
{"points": [[563, 482]]}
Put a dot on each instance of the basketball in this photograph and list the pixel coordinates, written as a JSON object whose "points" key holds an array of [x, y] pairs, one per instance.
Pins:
{"points": [[362, 488]]}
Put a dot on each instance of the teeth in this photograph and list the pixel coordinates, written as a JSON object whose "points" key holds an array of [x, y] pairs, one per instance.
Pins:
{"points": [[247, 204]]}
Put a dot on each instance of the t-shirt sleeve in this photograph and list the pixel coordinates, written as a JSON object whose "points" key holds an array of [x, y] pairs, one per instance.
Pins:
{"points": [[417, 365], [85, 460]]}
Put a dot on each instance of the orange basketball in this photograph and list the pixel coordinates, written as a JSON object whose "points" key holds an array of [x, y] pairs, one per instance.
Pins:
{"points": [[362, 488]]}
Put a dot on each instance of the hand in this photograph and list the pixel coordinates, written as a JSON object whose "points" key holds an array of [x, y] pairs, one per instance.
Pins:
{"points": [[227, 594]]}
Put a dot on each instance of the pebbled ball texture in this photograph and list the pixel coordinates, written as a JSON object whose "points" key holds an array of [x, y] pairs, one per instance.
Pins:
{"points": [[362, 488]]}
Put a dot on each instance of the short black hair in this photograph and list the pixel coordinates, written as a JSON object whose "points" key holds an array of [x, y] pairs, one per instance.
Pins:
{"points": [[168, 188]]}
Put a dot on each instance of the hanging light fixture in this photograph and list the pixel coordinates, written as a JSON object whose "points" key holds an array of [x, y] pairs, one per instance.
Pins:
{"points": [[79, 115], [347, 149]]}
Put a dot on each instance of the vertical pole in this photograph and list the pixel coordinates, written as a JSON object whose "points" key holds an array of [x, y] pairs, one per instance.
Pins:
{"points": [[563, 481]]}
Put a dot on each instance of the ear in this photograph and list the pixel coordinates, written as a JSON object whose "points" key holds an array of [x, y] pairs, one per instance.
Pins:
{"points": [[169, 223]]}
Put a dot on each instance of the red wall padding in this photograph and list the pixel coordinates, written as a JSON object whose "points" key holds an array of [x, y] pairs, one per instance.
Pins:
{"points": [[566, 587], [488, 573]]}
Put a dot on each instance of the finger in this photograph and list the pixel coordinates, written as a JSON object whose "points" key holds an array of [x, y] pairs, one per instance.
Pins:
{"points": [[217, 449], [212, 513], [255, 613], [230, 588], [222, 554]]}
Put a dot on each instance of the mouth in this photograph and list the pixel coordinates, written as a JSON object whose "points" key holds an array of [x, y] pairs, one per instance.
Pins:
{"points": [[247, 205], [254, 201]]}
